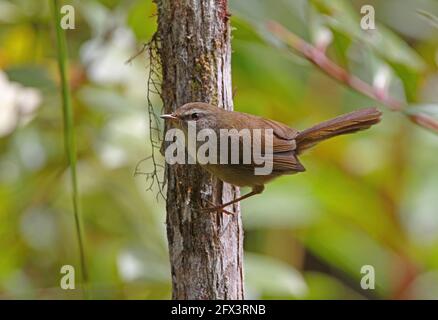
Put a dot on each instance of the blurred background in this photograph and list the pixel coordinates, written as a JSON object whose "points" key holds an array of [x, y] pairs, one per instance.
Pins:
{"points": [[365, 199]]}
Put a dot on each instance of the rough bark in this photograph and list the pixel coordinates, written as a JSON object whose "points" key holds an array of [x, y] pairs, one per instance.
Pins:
{"points": [[205, 248]]}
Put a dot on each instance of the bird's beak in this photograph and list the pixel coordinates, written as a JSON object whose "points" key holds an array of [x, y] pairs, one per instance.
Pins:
{"points": [[169, 116]]}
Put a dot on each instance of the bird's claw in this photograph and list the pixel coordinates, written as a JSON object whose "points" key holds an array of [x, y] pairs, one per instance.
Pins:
{"points": [[211, 209]]}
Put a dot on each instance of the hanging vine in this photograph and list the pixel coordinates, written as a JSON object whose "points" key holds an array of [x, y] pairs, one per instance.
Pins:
{"points": [[155, 176]]}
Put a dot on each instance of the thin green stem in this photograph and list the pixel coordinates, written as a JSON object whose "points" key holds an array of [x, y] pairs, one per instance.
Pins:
{"points": [[69, 137]]}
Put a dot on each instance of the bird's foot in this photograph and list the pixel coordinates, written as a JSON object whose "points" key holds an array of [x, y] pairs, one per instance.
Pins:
{"points": [[216, 208]]}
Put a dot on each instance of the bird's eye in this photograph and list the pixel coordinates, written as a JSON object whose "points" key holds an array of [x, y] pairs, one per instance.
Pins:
{"points": [[194, 116]]}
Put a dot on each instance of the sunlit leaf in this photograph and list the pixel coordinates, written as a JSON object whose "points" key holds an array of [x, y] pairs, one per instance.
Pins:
{"points": [[141, 19], [322, 287], [272, 278]]}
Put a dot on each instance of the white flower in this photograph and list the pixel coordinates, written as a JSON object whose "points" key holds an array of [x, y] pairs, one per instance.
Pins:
{"points": [[106, 58], [17, 104], [382, 78]]}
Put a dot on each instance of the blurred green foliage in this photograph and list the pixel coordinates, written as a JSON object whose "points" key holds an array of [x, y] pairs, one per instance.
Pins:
{"points": [[365, 199]]}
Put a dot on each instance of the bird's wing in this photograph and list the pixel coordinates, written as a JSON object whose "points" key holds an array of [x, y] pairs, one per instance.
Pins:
{"points": [[283, 149], [283, 135], [282, 163]]}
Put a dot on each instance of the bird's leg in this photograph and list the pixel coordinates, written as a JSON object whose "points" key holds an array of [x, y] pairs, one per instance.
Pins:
{"points": [[255, 190], [219, 210]]}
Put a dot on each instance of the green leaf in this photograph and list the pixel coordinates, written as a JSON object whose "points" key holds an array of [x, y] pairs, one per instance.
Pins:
{"points": [[291, 13], [348, 249], [269, 277], [31, 76], [326, 287], [432, 19], [141, 19], [340, 15], [430, 109], [107, 100], [425, 286], [293, 207]]}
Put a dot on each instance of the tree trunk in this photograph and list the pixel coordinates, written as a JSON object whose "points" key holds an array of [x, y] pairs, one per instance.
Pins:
{"points": [[206, 249]]}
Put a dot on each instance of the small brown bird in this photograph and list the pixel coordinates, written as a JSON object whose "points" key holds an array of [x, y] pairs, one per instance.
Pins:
{"points": [[287, 143]]}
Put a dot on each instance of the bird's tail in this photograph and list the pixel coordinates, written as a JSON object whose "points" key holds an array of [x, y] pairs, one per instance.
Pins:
{"points": [[347, 123]]}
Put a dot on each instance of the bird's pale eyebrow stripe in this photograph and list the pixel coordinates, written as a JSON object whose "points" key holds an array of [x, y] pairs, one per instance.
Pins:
{"points": [[199, 111]]}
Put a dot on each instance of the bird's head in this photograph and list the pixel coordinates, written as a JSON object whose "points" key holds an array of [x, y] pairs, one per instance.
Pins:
{"points": [[203, 114]]}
